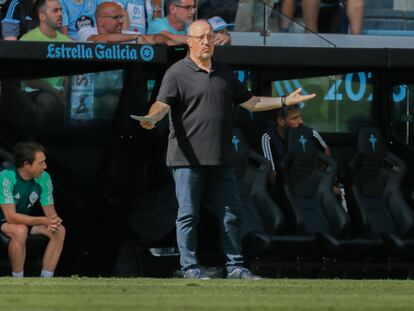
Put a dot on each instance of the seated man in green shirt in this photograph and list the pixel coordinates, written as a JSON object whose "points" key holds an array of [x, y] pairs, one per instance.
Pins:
{"points": [[20, 188], [47, 94]]}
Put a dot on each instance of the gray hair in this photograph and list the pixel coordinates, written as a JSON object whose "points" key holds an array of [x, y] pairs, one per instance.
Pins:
{"points": [[197, 21], [172, 2]]}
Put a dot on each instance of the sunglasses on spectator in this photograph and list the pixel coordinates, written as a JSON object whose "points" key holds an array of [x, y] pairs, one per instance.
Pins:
{"points": [[118, 18], [186, 7]]}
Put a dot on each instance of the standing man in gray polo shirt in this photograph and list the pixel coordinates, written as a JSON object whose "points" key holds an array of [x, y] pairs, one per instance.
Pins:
{"points": [[198, 94]]}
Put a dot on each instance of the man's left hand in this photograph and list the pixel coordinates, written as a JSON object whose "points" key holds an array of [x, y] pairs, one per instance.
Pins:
{"points": [[296, 97]]}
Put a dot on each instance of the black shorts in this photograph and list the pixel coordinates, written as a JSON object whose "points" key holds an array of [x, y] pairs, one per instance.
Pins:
{"points": [[33, 95]]}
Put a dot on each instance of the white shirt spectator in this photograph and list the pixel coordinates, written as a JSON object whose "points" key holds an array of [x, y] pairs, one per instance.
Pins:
{"points": [[85, 33]]}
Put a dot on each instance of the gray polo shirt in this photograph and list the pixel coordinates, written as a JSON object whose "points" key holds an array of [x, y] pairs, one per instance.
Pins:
{"points": [[200, 115]]}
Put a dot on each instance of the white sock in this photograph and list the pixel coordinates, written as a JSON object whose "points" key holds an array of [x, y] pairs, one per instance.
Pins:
{"points": [[46, 274], [18, 274]]}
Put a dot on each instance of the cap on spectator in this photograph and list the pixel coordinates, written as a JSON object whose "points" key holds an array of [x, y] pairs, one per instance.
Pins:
{"points": [[217, 23]]}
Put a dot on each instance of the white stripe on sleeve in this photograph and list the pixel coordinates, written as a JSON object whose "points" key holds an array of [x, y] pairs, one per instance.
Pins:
{"points": [[267, 151], [319, 138]]}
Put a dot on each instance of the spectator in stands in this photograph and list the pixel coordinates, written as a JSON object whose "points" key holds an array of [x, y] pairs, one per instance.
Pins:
{"points": [[49, 14], [78, 14], [273, 140], [48, 93], [19, 18], [22, 186], [311, 8], [220, 26], [110, 20], [249, 16], [138, 13], [174, 26], [355, 14], [287, 9], [157, 10], [198, 94]]}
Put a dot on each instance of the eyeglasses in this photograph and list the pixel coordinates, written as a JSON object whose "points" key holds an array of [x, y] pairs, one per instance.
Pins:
{"points": [[118, 18], [201, 38], [186, 7]]}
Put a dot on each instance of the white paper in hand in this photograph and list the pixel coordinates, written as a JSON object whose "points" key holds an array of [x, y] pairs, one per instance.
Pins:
{"points": [[143, 119]]}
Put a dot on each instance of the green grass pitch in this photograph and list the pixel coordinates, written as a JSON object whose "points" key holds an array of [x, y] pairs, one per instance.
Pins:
{"points": [[216, 295]]}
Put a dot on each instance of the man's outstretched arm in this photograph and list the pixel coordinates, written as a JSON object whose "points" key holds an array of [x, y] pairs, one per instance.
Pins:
{"points": [[260, 103]]}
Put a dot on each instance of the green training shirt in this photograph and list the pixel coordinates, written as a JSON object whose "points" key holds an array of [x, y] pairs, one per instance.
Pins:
{"points": [[24, 193], [37, 35]]}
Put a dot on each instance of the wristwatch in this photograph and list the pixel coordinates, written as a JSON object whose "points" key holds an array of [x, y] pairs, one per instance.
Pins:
{"points": [[283, 101]]}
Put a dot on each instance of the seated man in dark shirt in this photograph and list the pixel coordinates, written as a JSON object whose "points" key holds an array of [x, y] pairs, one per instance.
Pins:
{"points": [[273, 140], [274, 147]]}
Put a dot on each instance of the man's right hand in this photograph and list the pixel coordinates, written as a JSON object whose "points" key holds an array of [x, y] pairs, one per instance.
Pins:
{"points": [[53, 223], [158, 110], [147, 125]]}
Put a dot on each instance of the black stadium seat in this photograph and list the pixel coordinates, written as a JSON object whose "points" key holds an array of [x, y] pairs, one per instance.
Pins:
{"points": [[320, 225], [261, 217], [375, 200], [308, 199]]}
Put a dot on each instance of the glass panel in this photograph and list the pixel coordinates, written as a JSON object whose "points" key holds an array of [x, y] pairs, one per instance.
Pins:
{"points": [[250, 15], [71, 116], [332, 16], [61, 102], [94, 96], [258, 22], [245, 77], [402, 113], [343, 102]]}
